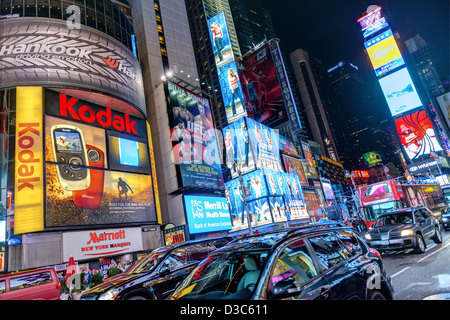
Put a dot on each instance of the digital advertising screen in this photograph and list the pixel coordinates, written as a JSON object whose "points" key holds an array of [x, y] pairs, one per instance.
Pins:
{"points": [[238, 150], [262, 89], [207, 214], [295, 166], [384, 53], [110, 197], [287, 145], [400, 93], [257, 200], [372, 22], [372, 158], [232, 94], [194, 142], [220, 38], [230, 84], [311, 171], [416, 134], [265, 144]]}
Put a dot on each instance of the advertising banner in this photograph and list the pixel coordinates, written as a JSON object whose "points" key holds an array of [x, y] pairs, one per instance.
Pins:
{"points": [[174, 235], [444, 105], [311, 171], [258, 204], [207, 214], [372, 158], [265, 144], [417, 135], [384, 53], [230, 84], [29, 161], [295, 166], [262, 89], [238, 150], [35, 51], [372, 22], [195, 145], [99, 243], [400, 93], [287, 145]]}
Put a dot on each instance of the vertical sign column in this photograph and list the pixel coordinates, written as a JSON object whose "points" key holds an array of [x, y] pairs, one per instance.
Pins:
{"points": [[29, 185]]}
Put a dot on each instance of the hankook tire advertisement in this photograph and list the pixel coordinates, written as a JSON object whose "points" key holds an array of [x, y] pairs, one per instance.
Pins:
{"points": [[34, 51]]}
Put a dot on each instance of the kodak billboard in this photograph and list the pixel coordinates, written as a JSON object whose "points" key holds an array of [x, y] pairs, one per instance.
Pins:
{"points": [[29, 160]]}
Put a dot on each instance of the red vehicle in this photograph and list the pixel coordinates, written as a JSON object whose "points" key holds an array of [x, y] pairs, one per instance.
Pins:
{"points": [[388, 195], [38, 284]]}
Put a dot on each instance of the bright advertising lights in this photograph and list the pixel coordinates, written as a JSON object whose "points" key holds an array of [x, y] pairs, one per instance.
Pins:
{"points": [[400, 92], [417, 135], [372, 22], [384, 53]]}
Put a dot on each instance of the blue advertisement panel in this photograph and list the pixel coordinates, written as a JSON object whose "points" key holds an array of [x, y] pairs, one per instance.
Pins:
{"points": [[400, 93], [238, 152], [230, 84], [257, 201], [207, 214], [231, 88], [265, 144]]}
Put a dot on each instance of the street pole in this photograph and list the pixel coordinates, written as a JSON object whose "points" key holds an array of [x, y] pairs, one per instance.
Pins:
{"points": [[245, 191]]}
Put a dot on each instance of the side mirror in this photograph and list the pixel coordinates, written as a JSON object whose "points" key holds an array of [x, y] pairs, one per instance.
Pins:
{"points": [[285, 288], [164, 270]]}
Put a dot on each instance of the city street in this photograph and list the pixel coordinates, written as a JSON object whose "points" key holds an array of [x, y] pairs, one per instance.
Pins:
{"points": [[419, 276]]}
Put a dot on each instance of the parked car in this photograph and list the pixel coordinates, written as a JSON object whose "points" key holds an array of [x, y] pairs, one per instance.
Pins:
{"points": [[36, 284], [403, 229], [325, 262], [446, 219], [156, 275]]}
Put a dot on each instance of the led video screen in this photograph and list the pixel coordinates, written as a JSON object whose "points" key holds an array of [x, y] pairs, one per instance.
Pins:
{"points": [[400, 93], [207, 214], [372, 22], [384, 53], [417, 135]]}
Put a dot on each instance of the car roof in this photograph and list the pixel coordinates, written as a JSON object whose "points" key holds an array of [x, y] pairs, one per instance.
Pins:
{"points": [[407, 209], [189, 242], [271, 239]]}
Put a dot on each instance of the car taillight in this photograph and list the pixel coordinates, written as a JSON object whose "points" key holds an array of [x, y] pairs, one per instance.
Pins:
{"points": [[58, 285], [375, 252]]}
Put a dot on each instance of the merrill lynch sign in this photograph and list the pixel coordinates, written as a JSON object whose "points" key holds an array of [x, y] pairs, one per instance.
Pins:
{"points": [[36, 51]]}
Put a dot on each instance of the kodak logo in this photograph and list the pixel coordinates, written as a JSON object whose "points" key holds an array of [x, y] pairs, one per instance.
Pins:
{"points": [[70, 108]]}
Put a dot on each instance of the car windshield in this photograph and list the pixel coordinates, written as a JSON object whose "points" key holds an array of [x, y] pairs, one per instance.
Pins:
{"points": [[149, 262], [395, 219], [224, 275]]}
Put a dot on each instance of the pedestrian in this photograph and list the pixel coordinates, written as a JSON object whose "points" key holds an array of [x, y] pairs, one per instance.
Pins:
{"points": [[89, 277]]}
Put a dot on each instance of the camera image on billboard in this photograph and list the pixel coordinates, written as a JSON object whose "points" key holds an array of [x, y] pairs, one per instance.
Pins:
{"points": [[91, 198], [69, 149]]}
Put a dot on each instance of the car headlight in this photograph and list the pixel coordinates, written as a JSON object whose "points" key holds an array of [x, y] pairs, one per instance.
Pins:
{"points": [[405, 233], [109, 295], [368, 237], [445, 219]]}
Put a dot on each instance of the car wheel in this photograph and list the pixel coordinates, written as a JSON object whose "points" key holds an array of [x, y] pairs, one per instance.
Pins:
{"points": [[437, 236], [420, 244], [136, 298], [377, 295]]}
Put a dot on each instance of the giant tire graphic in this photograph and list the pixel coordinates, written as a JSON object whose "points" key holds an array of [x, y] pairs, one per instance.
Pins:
{"points": [[45, 52]]}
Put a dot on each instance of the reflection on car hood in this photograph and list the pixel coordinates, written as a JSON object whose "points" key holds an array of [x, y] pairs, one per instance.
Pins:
{"points": [[116, 282], [386, 229]]}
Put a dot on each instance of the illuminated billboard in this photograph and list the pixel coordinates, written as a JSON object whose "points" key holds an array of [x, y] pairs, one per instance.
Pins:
{"points": [[384, 53], [195, 148], [207, 214], [295, 166], [372, 22], [230, 84], [444, 105], [372, 158], [400, 93], [261, 88], [417, 135]]}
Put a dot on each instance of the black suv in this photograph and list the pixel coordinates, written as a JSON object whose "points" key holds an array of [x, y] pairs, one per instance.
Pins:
{"points": [[156, 275], [321, 262], [403, 229]]}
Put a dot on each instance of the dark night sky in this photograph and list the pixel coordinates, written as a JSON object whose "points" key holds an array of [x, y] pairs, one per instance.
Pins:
{"points": [[329, 30]]}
